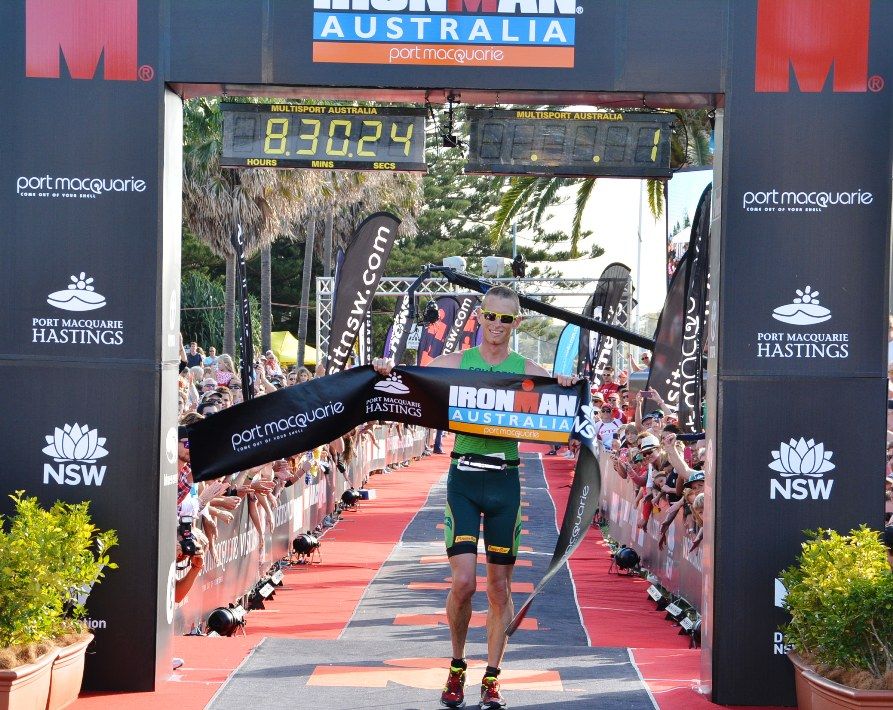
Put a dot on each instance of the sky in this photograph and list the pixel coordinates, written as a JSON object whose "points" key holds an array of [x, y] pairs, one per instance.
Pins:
{"points": [[613, 217]]}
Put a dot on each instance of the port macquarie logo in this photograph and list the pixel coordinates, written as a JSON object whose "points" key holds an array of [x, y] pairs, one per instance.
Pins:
{"points": [[511, 33], [84, 35], [803, 342], [79, 296], [397, 403], [75, 449], [513, 413], [802, 465]]}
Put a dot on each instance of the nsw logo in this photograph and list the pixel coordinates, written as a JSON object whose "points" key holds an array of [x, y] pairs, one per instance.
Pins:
{"points": [[75, 449], [79, 296], [806, 459], [804, 310]]}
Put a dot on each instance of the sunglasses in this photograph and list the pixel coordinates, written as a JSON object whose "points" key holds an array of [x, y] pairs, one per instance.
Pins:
{"points": [[502, 317], [607, 409], [185, 443]]}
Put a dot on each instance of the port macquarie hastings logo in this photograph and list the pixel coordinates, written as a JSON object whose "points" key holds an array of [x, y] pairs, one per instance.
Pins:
{"points": [[395, 404], [78, 297], [802, 342], [516, 33], [512, 413]]}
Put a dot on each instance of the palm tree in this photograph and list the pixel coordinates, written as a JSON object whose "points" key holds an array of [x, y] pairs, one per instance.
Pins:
{"points": [[528, 198], [216, 201]]}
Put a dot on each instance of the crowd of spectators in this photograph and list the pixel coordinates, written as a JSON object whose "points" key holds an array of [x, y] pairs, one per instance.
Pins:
{"points": [[643, 447], [209, 384]]}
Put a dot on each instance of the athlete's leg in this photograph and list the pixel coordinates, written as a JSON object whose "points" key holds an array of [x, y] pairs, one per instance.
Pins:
{"points": [[458, 605], [500, 612]]}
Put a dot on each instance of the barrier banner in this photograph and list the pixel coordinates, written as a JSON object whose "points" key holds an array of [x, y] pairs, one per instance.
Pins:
{"points": [[566, 350], [457, 336], [678, 565], [435, 335], [357, 278], [677, 363], [246, 368], [490, 404]]}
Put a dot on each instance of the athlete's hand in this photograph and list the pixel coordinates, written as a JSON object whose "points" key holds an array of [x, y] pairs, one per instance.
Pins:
{"points": [[383, 365], [568, 380]]}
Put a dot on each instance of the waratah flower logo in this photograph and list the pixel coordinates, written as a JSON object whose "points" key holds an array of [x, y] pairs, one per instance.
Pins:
{"points": [[806, 458], [74, 442]]}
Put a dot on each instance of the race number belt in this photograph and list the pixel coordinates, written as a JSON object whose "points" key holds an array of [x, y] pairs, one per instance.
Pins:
{"points": [[485, 463]]}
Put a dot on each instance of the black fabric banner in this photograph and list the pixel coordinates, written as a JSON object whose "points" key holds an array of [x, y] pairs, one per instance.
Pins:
{"points": [[358, 277], [400, 324], [247, 362], [612, 293], [435, 335], [457, 336], [677, 366], [490, 404]]}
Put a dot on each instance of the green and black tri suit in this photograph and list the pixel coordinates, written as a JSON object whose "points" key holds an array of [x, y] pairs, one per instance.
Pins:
{"points": [[495, 494]]}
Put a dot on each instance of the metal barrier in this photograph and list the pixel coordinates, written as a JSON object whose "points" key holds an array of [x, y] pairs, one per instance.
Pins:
{"points": [[677, 566], [240, 556]]}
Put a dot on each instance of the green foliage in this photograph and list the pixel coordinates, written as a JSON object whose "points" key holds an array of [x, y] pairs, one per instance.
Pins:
{"points": [[840, 597], [47, 559], [202, 311]]}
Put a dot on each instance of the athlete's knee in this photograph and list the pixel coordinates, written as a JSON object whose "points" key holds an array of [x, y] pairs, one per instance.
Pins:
{"points": [[464, 586], [499, 592]]}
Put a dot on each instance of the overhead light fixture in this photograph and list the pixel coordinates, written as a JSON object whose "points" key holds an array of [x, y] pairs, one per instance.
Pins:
{"points": [[493, 266], [432, 313], [456, 263], [519, 267]]}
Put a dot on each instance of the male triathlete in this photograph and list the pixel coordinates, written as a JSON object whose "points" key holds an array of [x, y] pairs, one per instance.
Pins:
{"points": [[483, 480]]}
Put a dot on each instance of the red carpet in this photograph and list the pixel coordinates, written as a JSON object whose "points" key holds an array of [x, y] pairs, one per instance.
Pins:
{"points": [[315, 601], [617, 612]]}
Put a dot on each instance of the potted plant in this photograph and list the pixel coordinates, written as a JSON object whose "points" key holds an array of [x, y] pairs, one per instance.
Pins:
{"points": [[840, 597], [49, 559]]}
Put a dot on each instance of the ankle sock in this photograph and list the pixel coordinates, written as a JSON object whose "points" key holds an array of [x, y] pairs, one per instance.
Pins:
{"points": [[459, 663], [491, 672]]}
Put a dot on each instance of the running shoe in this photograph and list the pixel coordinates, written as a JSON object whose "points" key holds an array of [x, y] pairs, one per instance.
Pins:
{"points": [[453, 695], [491, 698]]}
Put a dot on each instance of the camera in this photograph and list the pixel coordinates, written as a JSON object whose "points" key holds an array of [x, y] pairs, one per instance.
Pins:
{"points": [[188, 545]]}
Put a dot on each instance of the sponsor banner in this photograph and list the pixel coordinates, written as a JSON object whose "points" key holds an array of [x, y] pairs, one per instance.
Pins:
{"points": [[247, 347], [299, 418], [446, 33], [435, 335], [357, 278], [612, 293], [566, 350], [677, 365], [459, 335], [395, 332]]}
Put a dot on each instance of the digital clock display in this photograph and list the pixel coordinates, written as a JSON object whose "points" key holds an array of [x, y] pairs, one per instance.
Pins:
{"points": [[326, 137], [569, 143]]}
